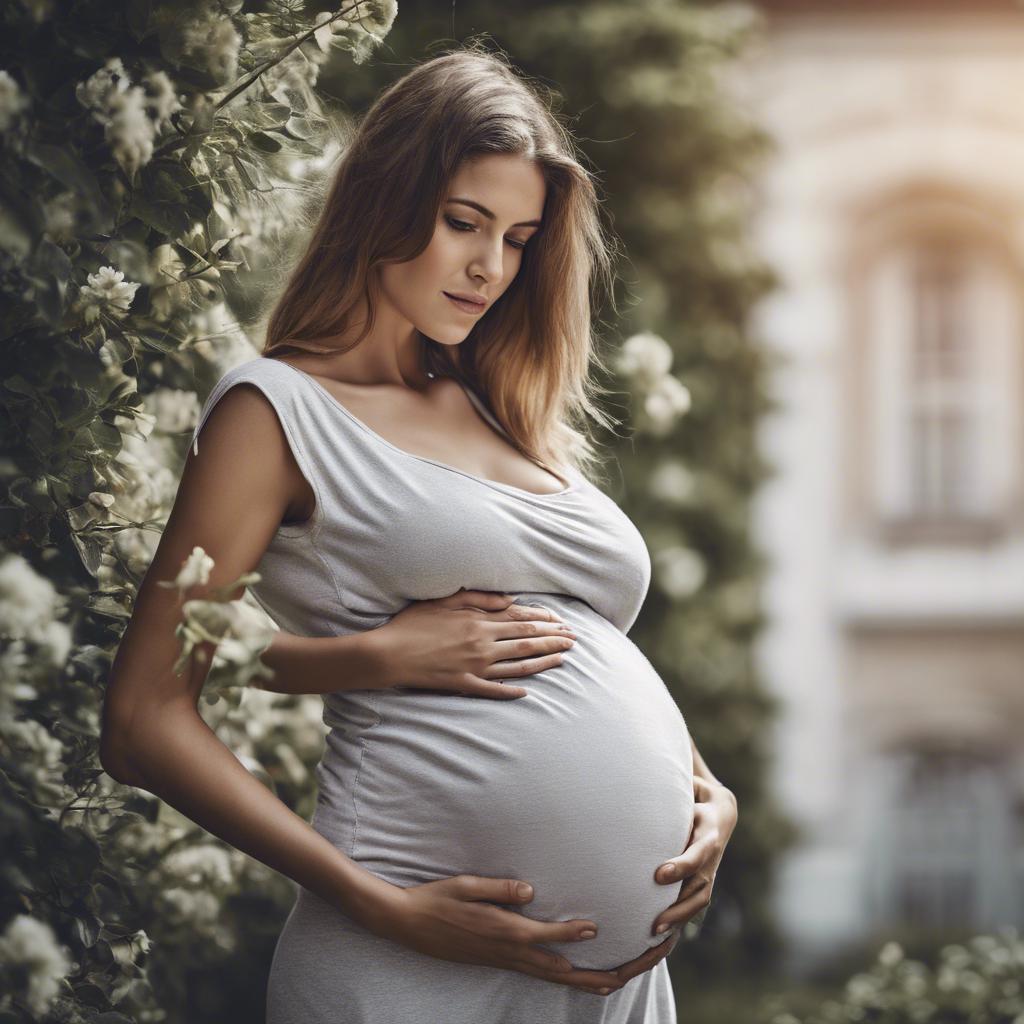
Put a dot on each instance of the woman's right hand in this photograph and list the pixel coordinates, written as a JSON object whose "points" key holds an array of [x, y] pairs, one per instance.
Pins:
{"points": [[455, 919], [463, 643]]}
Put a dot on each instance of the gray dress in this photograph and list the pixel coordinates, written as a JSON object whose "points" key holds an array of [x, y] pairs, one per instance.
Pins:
{"points": [[582, 787]]}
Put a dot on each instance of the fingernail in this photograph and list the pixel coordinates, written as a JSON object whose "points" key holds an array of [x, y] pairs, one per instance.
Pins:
{"points": [[524, 890], [668, 872], [604, 991], [588, 934], [661, 928]]}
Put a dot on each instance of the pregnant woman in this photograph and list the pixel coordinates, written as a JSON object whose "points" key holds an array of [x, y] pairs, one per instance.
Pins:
{"points": [[401, 470]]}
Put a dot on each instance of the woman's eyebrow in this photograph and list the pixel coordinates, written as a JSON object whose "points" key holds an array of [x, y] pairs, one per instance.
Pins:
{"points": [[487, 213]]}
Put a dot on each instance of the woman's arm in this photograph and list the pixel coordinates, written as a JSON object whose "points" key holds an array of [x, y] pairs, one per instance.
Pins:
{"points": [[323, 664], [701, 770], [153, 735], [176, 756]]}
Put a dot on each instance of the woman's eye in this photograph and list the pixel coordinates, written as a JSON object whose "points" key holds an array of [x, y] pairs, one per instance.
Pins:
{"points": [[461, 225]]}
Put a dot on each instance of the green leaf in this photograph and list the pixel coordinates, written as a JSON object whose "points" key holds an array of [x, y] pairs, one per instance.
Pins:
{"points": [[298, 128], [252, 175], [168, 217], [266, 143], [269, 115]]}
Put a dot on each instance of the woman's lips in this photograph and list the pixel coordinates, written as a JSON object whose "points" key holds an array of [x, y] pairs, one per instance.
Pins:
{"points": [[473, 308]]}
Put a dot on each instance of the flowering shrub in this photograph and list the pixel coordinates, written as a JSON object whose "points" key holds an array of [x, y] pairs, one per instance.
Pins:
{"points": [[978, 982], [148, 150]]}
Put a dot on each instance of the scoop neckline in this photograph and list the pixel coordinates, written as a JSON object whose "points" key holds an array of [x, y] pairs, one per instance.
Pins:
{"points": [[496, 484]]}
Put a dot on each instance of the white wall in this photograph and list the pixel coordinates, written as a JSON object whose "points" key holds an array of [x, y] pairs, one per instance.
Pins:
{"points": [[871, 112]]}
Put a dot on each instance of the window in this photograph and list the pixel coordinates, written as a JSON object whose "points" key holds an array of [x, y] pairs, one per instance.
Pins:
{"points": [[944, 394], [945, 843]]}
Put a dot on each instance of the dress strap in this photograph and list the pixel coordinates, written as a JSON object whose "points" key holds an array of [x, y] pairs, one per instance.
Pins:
{"points": [[569, 473], [483, 410]]}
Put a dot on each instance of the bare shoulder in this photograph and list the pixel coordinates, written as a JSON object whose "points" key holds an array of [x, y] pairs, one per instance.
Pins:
{"points": [[229, 502]]}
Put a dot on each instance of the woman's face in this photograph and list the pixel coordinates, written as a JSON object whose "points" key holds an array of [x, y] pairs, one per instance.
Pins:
{"points": [[472, 252]]}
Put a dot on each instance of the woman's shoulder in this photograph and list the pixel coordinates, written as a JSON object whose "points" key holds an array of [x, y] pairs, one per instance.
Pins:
{"points": [[270, 397]]}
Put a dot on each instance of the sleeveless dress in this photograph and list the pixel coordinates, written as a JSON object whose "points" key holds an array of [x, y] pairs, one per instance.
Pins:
{"points": [[582, 787]]}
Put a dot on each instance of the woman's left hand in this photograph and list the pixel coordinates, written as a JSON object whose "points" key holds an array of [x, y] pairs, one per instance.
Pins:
{"points": [[715, 813]]}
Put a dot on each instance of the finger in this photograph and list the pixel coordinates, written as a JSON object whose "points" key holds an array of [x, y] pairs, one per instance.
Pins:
{"points": [[687, 863], [593, 981], [524, 667], [528, 611], [681, 912], [505, 630], [581, 978], [493, 688], [702, 789], [497, 890], [541, 961], [485, 600], [535, 931], [691, 884], [646, 960]]}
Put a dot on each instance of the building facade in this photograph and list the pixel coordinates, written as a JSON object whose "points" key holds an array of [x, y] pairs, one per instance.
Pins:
{"points": [[893, 210]]}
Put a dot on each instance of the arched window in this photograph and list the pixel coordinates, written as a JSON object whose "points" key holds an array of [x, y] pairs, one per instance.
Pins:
{"points": [[944, 392]]}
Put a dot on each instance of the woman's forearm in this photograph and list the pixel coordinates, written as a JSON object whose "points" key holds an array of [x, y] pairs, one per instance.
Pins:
{"points": [[175, 755], [323, 664], [700, 767]]}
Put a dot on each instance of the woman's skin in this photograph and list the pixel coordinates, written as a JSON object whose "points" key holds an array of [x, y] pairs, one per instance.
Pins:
{"points": [[153, 735]]}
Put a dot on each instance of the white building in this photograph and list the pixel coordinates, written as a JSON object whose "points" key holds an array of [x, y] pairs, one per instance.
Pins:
{"points": [[892, 210]]}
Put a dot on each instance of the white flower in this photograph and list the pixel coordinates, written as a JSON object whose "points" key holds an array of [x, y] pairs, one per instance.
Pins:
{"points": [[12, 100], [95, 91], [214, 39], [59, 217], [32, 737], [861, 988], [372, 23], [107, 289], [672, 482], [196, 906], [890, 954], [679, 571], [667, 400], [101, 499], [161, 99], [195, 570], [174, 410], [380, 14], [323, 32], [129, 130], [55, 636], [646, 357], [203, 865], [30, 943], [28, 602], [242, 630], [14, 663], [124, 111]]}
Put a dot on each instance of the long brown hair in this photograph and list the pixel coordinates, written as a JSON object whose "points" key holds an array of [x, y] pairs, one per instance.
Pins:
{"points": [[530, 357]]}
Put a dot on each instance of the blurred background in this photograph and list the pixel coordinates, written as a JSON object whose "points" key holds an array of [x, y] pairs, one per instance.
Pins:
{"points": [[819, 371], [895, 524]]}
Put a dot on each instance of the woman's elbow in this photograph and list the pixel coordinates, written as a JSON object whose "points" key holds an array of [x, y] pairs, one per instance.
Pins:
{"points": [[114, 748]]}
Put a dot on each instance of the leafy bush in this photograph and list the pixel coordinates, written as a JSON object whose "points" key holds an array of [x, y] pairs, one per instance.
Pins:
{"points": [[147, 151], [980, 981]]}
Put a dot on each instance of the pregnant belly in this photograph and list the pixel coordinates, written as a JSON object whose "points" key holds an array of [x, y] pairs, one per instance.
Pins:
{"points": [[581, 788]]}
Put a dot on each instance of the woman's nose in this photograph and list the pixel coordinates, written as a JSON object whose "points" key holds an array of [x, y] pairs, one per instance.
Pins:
{"points": [[490, 261]]}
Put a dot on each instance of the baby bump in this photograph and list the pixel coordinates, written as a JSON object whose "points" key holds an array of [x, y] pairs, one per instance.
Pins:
{"points": [[582, 788]]}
